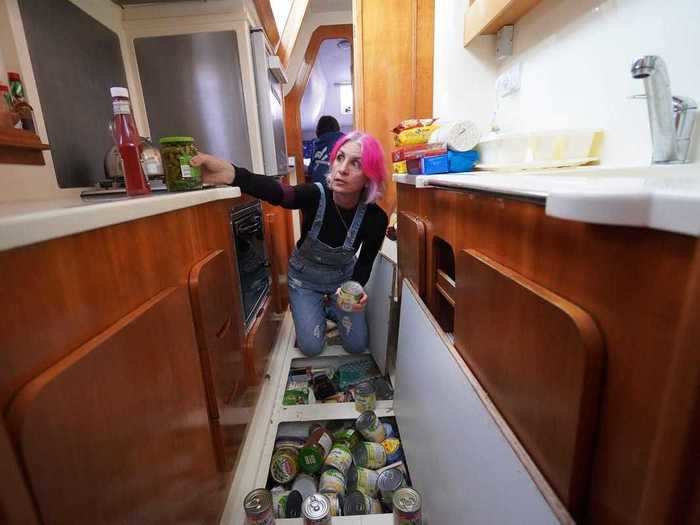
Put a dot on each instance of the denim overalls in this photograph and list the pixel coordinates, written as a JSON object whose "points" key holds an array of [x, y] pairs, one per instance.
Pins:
{"points": [[317, 270]]}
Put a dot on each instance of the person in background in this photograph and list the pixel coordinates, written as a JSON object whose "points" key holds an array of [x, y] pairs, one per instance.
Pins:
{"points": [[327, 134], [337, 221]]}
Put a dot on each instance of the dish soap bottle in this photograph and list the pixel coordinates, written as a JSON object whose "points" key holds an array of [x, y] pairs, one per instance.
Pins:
{"points": [[128, 141]]}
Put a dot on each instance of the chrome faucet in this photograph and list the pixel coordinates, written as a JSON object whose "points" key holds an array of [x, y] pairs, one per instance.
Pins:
{"points": [[671, 119]]}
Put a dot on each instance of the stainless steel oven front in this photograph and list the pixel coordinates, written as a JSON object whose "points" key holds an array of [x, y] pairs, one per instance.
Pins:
{"points": [[251, 257]]}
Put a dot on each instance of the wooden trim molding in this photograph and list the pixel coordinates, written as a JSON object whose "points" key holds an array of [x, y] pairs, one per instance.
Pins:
{"points": [[486, 17], [267, 19], [18, 146], [292, 102]]}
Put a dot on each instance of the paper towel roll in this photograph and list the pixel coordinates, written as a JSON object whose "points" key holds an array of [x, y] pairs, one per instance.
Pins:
{"points": [[462, 135]]}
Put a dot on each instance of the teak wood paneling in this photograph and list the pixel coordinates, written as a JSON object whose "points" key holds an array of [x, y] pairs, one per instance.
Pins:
{"points": [[63, 292], [267, 19], [292, 102], [540, 357], [486, 17], [291, 28], [279, 246], [632, 281], [260, 340], [410, 232], [21, 147], [103, 438], [220, 336], [393, 73]]}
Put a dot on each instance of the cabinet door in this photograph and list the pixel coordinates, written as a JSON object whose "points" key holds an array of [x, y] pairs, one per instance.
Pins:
{"points": [[380, 306], [117, 431], [410, 232], [464, 460], [219, 327], [540, 358]]}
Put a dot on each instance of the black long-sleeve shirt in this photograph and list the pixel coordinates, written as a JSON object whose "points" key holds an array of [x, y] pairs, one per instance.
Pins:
{"points": [[305, 197]]}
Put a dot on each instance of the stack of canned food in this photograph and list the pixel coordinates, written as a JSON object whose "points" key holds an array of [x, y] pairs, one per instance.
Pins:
{"points": [[356, 469]]}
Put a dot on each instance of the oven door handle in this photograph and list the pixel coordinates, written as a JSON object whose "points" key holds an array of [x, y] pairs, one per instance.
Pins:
{"points": [[248, 228]]}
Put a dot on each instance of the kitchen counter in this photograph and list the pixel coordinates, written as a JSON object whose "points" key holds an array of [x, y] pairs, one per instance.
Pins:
{"points": [[660, 197], [28, 222]]}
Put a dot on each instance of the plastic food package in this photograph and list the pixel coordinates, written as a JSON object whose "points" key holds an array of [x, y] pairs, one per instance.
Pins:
{"points": [[418, 151], [419, 135], [413, 123], [461, 161]]}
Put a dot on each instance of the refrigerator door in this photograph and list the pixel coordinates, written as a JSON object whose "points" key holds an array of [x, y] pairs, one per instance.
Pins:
{"points": [[192, 86], [268, 77], [464, 460]]}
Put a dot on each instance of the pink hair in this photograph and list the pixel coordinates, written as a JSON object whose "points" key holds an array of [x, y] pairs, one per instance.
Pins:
{"points": [[373, 166]]}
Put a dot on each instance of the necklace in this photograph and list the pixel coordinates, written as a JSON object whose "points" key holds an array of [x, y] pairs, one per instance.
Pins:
{"points": [[337, 210]]}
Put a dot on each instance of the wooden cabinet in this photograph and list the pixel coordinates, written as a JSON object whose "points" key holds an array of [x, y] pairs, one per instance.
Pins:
{"points": [[410, 231], [486, 17], [278, 243], [612, 274], [219, 328], [117, 430], [523, 341], [260, 340], [111, 400]]}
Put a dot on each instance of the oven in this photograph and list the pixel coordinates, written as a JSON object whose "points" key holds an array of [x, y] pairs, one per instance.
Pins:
{"points": [[252, 259]]}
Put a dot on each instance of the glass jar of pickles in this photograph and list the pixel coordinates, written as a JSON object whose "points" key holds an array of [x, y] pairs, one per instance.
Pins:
{"points": [[177, 152]]}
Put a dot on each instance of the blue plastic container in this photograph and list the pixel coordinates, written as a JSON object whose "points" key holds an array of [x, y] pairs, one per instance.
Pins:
{"points": [[461, 161], [436, 164]]}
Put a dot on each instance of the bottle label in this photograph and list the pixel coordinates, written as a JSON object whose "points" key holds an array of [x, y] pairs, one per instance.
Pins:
{"points": [[121, 107], [186, 170]]}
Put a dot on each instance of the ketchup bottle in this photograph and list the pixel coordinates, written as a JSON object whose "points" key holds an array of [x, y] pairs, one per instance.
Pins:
{"points": [[128, 141]]}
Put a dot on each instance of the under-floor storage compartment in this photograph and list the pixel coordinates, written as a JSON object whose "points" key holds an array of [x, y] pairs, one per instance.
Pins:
{"points": [[357, 471], [336, 379]]}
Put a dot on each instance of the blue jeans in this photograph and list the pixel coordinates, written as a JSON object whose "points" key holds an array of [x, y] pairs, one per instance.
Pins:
{"points": [[310, 311]]}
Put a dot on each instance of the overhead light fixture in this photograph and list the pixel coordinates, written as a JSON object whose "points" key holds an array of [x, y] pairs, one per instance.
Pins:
{"points": [[344, 44]]}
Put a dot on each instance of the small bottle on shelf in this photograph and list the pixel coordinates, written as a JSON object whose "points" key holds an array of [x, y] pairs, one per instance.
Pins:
{"points": [[19, 102], [128, 142]]}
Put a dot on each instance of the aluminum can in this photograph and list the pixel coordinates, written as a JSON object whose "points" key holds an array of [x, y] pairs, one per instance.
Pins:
{"points": [[389, 482], [392, 447], [363, 479], [284, 465], [306, 485], [332, 481], [293, 505], [407, 507], [316, 510], [358, 504], [258, 508], [340, 458], [349, 295], [388, 431], [369, 455], [349, 437], [370, 427], [279, 501], [336, 501], [365, 397]]}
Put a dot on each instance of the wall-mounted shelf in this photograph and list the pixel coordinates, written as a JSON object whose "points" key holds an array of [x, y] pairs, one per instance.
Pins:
{"points": [[486, 17], [18, 146]]}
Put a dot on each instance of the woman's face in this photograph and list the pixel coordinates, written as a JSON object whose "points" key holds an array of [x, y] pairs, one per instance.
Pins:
{"points": [[347, 175]]}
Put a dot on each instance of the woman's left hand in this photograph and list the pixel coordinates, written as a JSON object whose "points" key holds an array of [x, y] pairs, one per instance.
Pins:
{"points": [[360, 306]]}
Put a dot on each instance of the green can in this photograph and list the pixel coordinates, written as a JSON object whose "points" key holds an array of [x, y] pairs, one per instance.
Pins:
{"points": [[180, 175], [349, 437]]}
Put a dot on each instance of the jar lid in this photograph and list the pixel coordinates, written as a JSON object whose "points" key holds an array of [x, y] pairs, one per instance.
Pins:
{"points": [[12, 76], [176, 140], [4, 88]]}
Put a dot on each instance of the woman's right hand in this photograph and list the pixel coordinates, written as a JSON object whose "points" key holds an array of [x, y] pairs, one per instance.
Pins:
{"points": [[214, 170]]}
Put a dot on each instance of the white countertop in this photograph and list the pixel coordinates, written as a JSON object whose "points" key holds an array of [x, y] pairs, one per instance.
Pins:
{"points": [[659, 197], [29, 222]]}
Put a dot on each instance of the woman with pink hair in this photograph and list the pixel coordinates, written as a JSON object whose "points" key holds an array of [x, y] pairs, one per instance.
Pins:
{"points": [[337, 222]]}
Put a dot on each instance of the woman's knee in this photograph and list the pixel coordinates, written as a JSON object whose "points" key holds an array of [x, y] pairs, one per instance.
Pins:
{"points": [[312, 340]]}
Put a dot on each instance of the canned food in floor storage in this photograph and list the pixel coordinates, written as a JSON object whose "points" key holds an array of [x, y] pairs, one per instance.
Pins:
{"points": [[341, 379], [346, 468]]}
